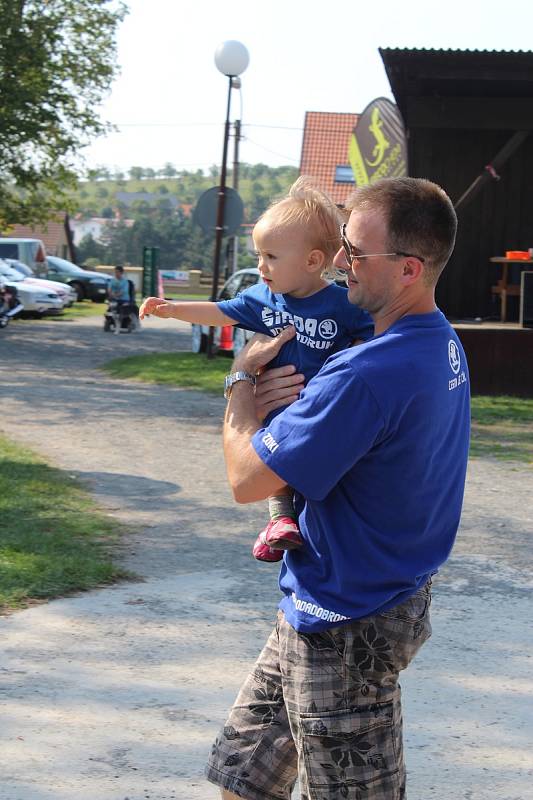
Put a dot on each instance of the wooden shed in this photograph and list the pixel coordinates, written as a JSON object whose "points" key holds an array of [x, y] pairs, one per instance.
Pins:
{"points": [[468, 115]]}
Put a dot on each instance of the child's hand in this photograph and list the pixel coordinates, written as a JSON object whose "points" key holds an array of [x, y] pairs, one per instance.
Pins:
{"points": [[157, 307]]}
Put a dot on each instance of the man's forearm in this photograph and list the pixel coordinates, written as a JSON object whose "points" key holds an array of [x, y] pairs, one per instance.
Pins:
{"points": [[250, 479]]}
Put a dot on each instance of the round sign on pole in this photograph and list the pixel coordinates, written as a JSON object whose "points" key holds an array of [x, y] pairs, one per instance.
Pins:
{"points": [[378, 147], [205, 213]]}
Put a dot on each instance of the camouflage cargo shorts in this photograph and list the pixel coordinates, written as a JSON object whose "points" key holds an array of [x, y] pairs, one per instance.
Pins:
{"points": [[324, 708]]}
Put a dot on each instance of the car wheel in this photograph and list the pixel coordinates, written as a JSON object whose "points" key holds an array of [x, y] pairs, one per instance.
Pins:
{"points": [[80, 292], [99, 300], [198, 340], [3, 322], [239, 340]]}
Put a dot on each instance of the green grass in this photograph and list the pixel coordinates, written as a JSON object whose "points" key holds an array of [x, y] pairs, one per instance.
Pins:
{"points": [[85, 308], [53, 539], [187, 370], [502, 427], [177, 296], [488, 410]]}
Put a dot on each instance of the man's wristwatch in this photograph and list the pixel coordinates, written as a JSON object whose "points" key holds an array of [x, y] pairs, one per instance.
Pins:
{"points": [[235, 377]]}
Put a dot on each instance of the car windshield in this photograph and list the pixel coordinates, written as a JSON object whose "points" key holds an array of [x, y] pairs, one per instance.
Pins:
{"points": [[20, 267], [9, 272], [62, 265]]}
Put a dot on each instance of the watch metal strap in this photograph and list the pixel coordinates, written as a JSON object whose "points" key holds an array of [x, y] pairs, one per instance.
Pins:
{"points": [[235, 377]]}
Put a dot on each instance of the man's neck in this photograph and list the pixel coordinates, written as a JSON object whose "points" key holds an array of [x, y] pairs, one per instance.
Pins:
{"points": [[388, 316]]}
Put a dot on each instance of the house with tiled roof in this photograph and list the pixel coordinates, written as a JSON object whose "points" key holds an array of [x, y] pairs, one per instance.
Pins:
{"points": [[325, 152], [95, 227], [55, 235]]}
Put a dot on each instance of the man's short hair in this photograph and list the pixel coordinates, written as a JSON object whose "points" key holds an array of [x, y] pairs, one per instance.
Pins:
{"points": [[120, 268], [419, 215]]}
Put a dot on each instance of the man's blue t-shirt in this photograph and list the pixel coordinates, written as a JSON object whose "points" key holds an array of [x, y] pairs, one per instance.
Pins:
{"points": [[376, 450], [325, 322]]}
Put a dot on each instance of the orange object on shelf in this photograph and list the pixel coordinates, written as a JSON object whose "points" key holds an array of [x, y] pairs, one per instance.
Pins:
{"points": [[517, 255]]}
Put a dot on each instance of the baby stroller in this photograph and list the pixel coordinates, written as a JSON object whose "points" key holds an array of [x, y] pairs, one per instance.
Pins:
{"points": [[121, 317]]}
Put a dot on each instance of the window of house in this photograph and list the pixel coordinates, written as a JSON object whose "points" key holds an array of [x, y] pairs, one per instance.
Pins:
{"points": [[344, 174]]}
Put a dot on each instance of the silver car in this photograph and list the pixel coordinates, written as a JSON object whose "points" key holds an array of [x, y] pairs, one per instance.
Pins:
{"points": [[35, 299]]}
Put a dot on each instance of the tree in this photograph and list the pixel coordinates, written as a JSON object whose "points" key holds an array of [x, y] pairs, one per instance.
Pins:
{"points": [[57, 62], [136, 173], [169, 170], [90, 248]]}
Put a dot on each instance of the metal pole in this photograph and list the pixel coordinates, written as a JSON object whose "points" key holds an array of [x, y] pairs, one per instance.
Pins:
{"points": [[237, 128], [491, 170], [219, 229]]}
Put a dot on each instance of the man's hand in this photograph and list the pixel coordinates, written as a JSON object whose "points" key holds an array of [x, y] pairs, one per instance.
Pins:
{"points": [[157, 307], [275, 388], [260, 350]]}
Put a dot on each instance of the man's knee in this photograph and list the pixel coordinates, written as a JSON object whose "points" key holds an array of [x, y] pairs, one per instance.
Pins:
{"points": [[229, 795]]}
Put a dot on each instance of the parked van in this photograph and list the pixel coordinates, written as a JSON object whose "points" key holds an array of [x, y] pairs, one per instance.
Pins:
{"points": [[30, 251]]}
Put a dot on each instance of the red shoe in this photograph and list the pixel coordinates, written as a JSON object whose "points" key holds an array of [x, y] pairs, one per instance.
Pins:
{"points": [[263, 552], [282, 534]]}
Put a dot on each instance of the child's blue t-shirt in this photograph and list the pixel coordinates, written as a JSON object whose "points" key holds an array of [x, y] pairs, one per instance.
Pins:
{"points": [[325, 322], [376, 449]]}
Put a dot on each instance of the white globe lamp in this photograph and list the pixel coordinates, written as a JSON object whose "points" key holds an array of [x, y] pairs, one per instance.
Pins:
{"points": [[231, 58]]}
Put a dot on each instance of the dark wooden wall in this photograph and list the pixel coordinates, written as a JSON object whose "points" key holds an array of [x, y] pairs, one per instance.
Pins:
{"points": [[499, 218], [499, 360]]}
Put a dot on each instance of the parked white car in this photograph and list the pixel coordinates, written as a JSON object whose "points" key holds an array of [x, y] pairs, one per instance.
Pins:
{"points": [[35, 299], [67, 293]]}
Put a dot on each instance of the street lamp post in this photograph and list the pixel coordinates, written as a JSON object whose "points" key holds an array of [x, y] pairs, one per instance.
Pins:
{"points": [[231, 58]]}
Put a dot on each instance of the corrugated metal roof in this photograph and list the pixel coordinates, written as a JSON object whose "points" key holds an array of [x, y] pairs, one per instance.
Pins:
{"points": [[481, 74], [444, 50]]}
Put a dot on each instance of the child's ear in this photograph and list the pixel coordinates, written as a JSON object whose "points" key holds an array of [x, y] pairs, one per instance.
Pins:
{"points": [[316, 261]]}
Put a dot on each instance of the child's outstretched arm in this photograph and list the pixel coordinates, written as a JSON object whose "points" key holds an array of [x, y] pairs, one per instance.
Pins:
{"points": [[206, 313]]}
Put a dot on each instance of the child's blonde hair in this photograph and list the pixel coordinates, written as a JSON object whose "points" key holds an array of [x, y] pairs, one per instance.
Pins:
{"points": [[307, 206]]}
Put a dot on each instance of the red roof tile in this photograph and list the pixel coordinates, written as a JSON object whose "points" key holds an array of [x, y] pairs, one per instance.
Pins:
{"points": [[325, 146]]}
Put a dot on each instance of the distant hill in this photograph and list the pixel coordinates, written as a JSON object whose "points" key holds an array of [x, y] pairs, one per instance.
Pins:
{"points": [[155, 211], [258, 186]]}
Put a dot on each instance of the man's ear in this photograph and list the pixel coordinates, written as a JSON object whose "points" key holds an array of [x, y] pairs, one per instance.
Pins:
{"points": [[413, 271], [315, 261]]}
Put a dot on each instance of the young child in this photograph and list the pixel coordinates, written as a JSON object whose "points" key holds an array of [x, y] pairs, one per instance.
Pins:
{"points": [[295, 240]]}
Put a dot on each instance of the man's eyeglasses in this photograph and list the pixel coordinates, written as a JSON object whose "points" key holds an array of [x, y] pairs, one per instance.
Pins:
{"points": [[351, 257]]}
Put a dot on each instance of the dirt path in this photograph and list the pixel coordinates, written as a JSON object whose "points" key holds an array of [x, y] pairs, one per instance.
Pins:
{"points": [[117, 693]]}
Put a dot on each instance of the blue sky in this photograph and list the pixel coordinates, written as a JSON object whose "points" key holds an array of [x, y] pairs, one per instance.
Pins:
{"points": [[305, 55]]}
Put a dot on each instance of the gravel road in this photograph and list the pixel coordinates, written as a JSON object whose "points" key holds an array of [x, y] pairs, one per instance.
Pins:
{"points": [[115, 694]]}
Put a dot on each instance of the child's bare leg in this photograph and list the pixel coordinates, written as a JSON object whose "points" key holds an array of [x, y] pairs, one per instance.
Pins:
{"points": [[282, 532]]}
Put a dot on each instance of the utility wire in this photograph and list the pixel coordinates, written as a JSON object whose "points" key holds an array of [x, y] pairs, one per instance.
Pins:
{"points": [[272, 152], [199, 124]]}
